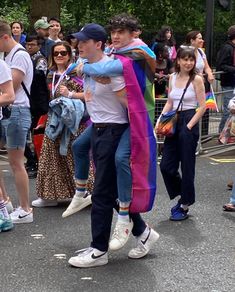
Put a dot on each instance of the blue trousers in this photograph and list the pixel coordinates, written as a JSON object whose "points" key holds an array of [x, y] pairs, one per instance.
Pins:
{"points": [[81, 147], [104, 143], [179, 150], [232, 198]]}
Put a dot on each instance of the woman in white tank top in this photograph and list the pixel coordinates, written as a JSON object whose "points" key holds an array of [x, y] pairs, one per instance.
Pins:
{"points": [[179, 150], [194, 38]]}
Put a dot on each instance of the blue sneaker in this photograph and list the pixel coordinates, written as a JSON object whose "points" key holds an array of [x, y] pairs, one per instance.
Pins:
{"points": [[5, 224], [175, 208], [179, 215]]}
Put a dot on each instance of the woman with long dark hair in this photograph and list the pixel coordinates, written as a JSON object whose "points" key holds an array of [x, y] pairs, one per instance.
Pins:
{"points": [[55, 179], [179, 149], [17, 30], [165, 36]]}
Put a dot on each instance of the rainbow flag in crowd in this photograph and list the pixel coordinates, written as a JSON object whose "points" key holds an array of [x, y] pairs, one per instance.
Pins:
{"points": [[138, 71], [211, 101]]}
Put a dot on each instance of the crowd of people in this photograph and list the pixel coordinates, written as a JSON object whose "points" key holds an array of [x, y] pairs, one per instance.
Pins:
{"points": [[92, 101]]}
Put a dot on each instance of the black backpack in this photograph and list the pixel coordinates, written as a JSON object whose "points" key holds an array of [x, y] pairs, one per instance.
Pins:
{"points": [[39, 94]]}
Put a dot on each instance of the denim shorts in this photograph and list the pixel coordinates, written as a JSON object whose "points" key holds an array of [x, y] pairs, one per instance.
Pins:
{"points": [[15, 129]]}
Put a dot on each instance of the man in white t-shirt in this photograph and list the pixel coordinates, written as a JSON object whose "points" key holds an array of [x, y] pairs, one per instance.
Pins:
{"points": [[18, 124], [110, 120], [6, 97]]}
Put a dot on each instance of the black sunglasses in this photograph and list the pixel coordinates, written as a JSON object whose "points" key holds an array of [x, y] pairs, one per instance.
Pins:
{"points": [[62, 53]]}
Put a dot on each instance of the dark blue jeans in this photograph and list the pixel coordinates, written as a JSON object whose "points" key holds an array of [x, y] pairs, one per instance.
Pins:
{"points": [[104, 143], [180, 150]]}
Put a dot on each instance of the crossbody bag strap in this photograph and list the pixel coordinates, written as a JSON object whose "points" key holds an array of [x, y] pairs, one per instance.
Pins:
{"points": [[22, 83], [25, 89], [185, 89]]}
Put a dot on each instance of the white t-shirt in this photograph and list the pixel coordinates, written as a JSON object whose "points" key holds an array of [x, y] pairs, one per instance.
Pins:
{"points": [[22, 62], [5, 75], [189, 100], [102, 103], [200, 61]]}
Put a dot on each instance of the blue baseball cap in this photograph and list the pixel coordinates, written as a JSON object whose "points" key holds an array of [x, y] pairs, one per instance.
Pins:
{"points": [[91, 31]]}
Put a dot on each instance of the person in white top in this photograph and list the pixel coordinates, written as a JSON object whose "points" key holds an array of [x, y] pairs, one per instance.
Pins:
{"points": [[110, 121], [180, 148], [194, 38], [54, 29], [6, 97], [18, 124]]}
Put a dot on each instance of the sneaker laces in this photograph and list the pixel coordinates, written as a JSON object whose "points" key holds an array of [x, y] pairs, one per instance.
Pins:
{"points": [[116, 231], [84, 251]]}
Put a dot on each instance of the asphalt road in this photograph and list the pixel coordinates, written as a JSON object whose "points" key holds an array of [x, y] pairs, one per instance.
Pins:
{"points": [[195, 255]]}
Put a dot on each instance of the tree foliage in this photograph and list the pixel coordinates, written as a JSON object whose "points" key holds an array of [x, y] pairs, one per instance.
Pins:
{"points": [[182, 15]]}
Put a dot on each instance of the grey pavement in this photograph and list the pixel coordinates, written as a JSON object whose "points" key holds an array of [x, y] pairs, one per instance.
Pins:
{"points": [[195, 255]]}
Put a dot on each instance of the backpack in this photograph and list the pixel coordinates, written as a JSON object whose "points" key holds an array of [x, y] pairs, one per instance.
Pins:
{"points": [[39, 94]]}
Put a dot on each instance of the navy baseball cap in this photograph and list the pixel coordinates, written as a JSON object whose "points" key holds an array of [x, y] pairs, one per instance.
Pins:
{"points": [[91, 31]]}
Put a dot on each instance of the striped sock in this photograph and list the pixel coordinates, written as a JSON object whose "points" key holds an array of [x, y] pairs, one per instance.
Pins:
{"points": [[3, 210], [123, 214], [80, 187]]}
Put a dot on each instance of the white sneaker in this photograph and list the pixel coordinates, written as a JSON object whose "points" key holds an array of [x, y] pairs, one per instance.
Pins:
{"points": [[77, 204], [144, 244], [121, 234], [89, 257], [20, 216], [39, 203], [9, 206]]}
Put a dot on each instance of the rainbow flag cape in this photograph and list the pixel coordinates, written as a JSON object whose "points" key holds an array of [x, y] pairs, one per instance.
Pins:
{"points": [[138, 71], [211, 101]]}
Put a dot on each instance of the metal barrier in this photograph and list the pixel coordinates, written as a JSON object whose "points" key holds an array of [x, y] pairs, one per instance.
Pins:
{"points": [[208, 144]]}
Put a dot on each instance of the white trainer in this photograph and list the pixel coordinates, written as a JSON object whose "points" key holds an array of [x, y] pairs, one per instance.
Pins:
{"points": [[144, 244], [89, 257], [40, 203], [121, 234], [19, 215], [77, 204]]}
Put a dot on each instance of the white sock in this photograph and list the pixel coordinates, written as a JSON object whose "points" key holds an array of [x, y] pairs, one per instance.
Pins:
{"points": [[79, 194], [123, 219], [185, 207]]}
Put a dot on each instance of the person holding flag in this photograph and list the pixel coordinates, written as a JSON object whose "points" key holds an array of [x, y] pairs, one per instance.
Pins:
{"points": [[104, 198]]}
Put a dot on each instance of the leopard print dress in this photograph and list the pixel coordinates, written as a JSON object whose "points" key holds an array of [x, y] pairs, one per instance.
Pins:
{"points": [[55, 179]]}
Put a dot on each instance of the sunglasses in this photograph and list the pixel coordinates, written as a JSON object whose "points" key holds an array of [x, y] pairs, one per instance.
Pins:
{"points": [[62, 53]]}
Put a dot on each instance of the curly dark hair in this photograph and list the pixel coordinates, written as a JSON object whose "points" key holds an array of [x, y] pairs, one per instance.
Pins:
{"points": [[161, 36], [123, 21]]}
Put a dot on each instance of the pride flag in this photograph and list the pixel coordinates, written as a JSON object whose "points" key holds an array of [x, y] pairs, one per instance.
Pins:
{"points": [[138, 70], [211, 101]]}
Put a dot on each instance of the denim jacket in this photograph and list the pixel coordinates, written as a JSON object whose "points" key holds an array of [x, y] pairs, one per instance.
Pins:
{"points": [[64, 118]]}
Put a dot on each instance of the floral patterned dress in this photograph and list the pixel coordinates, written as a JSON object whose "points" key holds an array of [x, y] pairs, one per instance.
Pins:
{"points": [[55, 179]]}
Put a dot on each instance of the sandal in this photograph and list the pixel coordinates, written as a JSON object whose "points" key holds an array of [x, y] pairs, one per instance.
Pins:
{"points": [[229, 207], [230, 185]]}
